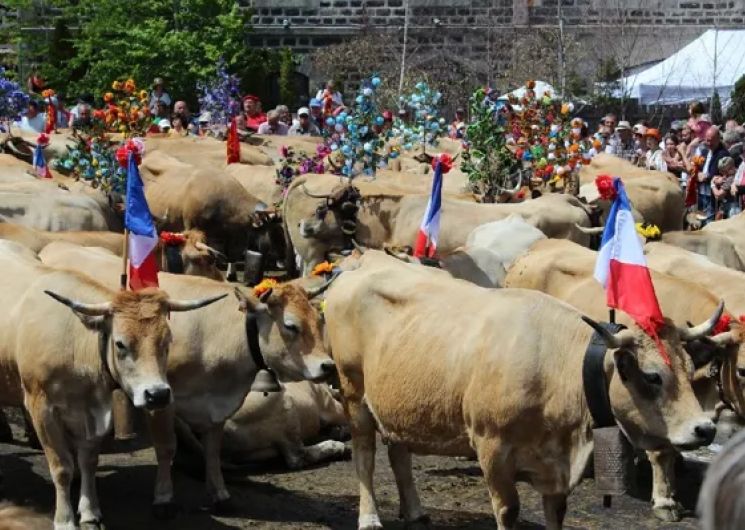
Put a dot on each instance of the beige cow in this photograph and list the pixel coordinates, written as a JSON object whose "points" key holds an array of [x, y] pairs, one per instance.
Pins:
{"points": [[501, 376], [62, 363]]}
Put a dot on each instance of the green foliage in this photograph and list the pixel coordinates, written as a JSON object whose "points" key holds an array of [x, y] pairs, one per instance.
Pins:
{"points": [[287, 77], [61, 52], [737, 108], [716, 109]]}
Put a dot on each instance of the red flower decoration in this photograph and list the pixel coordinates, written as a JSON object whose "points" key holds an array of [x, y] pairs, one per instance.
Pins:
{"points": [[722, 325], [446, 162], [43, 140], [122, 154], [519, 153], [605, 187], [520, 194], [172, 238]]}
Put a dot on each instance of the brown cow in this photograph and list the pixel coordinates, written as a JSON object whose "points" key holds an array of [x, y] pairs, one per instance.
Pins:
{"points": [[501, 378]]}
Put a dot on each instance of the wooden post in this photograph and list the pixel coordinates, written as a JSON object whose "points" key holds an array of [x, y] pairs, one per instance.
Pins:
{"points": [[122, 409]]}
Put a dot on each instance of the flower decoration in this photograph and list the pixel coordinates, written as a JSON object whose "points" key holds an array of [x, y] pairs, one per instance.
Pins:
{"points": [[445, 161], [267, 284], [649, 231], [297, 163], [13, 100], [722, 324], [322, 268], [92, 159], [172, 238], [124, 110], [606, 187], [135, 146], [42, 140], [220, 97], [427, 126]]}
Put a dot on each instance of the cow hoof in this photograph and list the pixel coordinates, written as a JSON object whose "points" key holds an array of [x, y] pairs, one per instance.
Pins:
{"points": [[669, 514], [224, 507], [165, 511], [420, 523], [92, 525]]}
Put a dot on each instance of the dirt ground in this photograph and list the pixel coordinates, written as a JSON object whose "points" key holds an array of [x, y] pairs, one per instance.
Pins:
{"points": [[321, 498]]}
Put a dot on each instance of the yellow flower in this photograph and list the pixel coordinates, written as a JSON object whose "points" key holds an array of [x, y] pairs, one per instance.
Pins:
{"points": [[116, 85], [122, 128], [143, 95], [94, 162], [322, 306], [322, 268], [265, 285], [648, 231], [565, 108]]}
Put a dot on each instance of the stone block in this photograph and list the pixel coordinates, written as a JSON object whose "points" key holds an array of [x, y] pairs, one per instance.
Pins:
{"points": [[305, 4]]}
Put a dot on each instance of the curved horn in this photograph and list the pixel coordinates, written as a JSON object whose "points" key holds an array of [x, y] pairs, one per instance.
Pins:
{"points": [[516, 188], [359, 248], [703, 329], [724, 339], [617, 340], [206, 248], [315, 195], [91, 310], [312, 293], [188, 305], [590, 231]]}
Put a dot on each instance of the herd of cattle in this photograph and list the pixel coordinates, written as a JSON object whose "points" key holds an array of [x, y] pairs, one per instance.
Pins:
{"points": [[479, 354]]}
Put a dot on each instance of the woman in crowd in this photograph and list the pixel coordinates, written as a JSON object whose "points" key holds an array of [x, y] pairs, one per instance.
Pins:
{"points": [[654, 155], [697, 120], [725, 190], [671, 156]]}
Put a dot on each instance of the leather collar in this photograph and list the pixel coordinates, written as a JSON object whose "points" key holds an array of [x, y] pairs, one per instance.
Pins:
{"points": [[594, 381]]}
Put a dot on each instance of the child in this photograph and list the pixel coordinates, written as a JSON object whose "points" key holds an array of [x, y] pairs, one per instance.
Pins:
{"points": [[725, 190]]}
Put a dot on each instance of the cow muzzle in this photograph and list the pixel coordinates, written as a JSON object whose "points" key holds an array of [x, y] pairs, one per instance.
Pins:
{"points": [[696, 433], [153, 396], [320, 371]]}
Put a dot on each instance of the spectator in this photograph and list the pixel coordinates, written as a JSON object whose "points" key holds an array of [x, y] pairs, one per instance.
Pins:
{"points": [[35, 82], [387, 120], [640, 143], [724, 189], [733, 143], [715, 151], [621, 144], [180, 108], [164, 125], [81, 116], [653, 157], [304, 125], [272, 125], [329, 96], [672, 157], [157, 95], [458, 126], [33, 120], [179, 124], [284, 115], [611, 121], [731, 125], [253, 114], [316, 113], [240, 126], [697, 120], [204, 123], [161, 111]]}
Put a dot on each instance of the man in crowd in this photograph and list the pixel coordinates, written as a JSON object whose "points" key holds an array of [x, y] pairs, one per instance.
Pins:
{"points": [[733, 142], [458, 126], [621, 144], [330, 92], [82, 117], [157, 95], [715, 151], [610, 120], [33, 120], [272, 125], [304, 125], [252, 111], [316, 113], [181, 109]]}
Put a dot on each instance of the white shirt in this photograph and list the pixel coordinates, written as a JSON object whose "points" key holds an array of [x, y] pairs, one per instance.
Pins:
{"points": [[335, 97], [36, 124]]}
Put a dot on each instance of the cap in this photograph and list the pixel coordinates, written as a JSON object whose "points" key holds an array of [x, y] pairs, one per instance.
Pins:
{"points": [[623, 125], [314, 103], [654, 133], [303, 111], [164, 124], [205, 117], [157, 81], [250, 97], [640, 129]]}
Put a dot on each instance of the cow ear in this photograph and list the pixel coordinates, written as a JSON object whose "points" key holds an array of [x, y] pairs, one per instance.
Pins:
{"points": [[247, 303], [625, 363], [91, 323]]}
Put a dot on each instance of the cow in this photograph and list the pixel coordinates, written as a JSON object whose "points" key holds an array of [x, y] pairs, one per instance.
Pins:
{"points": [[204, 152], [66, 342], [192, 255], [322, 213], [210, 365], [499, 377], [733, 229], [716, 246], [36, 240], [565, 270]]}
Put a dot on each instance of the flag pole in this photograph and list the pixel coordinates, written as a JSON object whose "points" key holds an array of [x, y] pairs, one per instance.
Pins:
{"points": [[125, 251], [612, 315]]}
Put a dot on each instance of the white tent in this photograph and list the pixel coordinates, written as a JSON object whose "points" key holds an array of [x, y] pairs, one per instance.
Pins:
{"points": [[715, 59]]}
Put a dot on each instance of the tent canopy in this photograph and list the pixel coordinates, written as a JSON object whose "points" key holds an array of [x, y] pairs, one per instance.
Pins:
{"points": [[690, 73]]}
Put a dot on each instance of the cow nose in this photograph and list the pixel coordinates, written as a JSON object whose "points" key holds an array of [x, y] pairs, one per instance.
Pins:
{"points": [[328, 367], [706, 432], [157, 398]]}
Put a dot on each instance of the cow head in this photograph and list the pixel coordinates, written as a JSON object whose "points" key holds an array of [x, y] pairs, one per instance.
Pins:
{"points": [[135, 328], [728, 348], [290, 334], [334, 216], [654, 402], [199, 258]]}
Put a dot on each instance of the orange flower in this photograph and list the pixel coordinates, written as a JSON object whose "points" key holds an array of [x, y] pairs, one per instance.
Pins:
{"points": [[530, 84], [129, 85], [322, 268], [48, 93], [574, 148], [265, 285], [99, 114], [108, 97], [116, 85]]}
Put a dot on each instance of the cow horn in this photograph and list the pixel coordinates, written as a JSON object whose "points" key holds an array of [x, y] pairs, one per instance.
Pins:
{"points": [[91, 310], [188, 305], [617, 340], [516, 188], [315, 195], [206, 248], [359, 248], [723, 339], [702, 330], [313, 292], [595, 230]]}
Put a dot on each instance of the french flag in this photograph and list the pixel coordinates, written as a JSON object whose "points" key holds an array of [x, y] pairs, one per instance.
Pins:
{"points": [[622, 269], [143, 237], [40, 165], [429, 230]]}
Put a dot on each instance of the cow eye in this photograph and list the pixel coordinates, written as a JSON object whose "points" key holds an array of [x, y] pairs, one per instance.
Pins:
{"points": [[119, 345], [653, 378], [741, 372], [291, 327]]}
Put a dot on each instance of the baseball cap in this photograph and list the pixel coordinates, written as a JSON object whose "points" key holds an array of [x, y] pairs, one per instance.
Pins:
{"points": [[623, 125], [164, 124], [314, 103], [303, 111], [640, 129], [250, 97]]}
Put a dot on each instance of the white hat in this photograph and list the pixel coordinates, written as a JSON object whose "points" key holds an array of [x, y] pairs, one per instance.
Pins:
{"points": [[205, 117], [639, 128], [164, 124], [303, 111]]}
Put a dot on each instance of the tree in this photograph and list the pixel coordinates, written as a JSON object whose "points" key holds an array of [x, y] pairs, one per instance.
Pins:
{"points": [[287, 77], [716, 108], [737, 108], [180, 41]]}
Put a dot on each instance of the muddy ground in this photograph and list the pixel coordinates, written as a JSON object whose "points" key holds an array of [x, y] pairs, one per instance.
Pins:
{"points": [[321, 498]]}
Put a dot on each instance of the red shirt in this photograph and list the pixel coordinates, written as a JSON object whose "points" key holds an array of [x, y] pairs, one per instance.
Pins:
{"points": [[253, 122]]}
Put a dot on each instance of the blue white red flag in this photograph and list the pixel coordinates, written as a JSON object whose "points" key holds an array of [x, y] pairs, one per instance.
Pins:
{"points": [[143, 237], [429, 230], [40, 165], [622, 269]]}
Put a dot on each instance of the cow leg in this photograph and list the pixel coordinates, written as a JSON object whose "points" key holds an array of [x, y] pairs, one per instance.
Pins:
{"points": [[554, 508], [59, 458], [411, 507], [663, 485], [212, 441], [6, 435], [362, 425], [163, 435], [504, 499], [88, 507]]}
